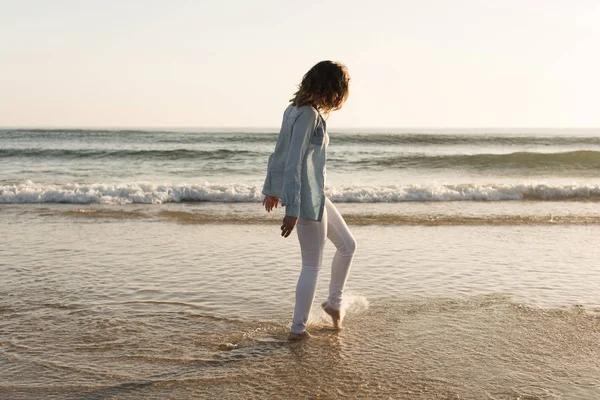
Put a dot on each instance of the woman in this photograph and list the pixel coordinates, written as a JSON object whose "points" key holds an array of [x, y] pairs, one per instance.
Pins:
{"points": [[296, 175]]}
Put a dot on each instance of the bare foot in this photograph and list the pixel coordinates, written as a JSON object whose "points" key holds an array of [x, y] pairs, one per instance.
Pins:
{"points": [[334, 314], [298, 336]]}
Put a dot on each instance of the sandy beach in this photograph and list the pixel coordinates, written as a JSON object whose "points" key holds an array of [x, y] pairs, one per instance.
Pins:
{"points": [[112, 306]]}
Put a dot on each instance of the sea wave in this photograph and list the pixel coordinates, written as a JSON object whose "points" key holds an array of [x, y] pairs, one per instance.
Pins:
{"points": [[173, 154], [526, 161], [365, 219], [432, 137], [521, 163], [353, 217], [151, 193]]}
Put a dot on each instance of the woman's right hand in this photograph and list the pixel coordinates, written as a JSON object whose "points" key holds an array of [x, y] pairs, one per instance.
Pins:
{"points": [[288, 224], [270, 202]]}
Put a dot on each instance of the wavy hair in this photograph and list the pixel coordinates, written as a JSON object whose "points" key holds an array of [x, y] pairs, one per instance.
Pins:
{"points": [[325, 85]]}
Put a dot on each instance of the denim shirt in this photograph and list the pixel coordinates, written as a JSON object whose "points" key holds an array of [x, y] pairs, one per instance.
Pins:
{"points": [[296, 169]]}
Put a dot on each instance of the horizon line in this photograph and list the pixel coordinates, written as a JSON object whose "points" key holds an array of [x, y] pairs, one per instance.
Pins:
{"points": [[238, 127]]}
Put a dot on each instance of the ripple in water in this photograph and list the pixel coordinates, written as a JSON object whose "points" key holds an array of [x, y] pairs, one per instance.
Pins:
{"points": [[478, 347], [100, 308]]}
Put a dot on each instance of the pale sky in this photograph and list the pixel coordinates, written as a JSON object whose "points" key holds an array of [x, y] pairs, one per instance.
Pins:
{"points": [[425, 63]]}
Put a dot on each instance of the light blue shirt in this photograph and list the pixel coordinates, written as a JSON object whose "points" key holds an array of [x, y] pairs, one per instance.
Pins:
{"points": [[296, 169]]}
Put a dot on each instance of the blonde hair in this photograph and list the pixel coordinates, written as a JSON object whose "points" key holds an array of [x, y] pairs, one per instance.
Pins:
{"points": [[325, 85]]}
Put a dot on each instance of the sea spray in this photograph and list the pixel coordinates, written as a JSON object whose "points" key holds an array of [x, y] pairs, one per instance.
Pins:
{"points": [[351, 304]]}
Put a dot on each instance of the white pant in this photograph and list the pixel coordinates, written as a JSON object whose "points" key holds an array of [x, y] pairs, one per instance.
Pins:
{"points": [[311, 235]]}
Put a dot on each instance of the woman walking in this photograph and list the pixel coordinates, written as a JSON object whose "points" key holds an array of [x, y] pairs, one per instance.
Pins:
{"points": [[296, 176]]}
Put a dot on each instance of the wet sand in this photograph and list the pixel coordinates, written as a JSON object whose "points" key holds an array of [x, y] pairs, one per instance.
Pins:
{"points": [[118, 307]]}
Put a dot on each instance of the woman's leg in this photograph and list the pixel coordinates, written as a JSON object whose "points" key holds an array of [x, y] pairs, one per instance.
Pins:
{"points": [[340, 235], [311, 235]]}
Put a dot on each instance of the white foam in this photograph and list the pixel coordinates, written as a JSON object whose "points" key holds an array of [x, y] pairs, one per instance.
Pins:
{"points": [[138, 192], [151, 193], [351, 304], [466, 192]]}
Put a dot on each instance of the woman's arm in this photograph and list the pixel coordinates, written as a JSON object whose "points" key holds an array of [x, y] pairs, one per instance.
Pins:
{"points": [[303, 127]]}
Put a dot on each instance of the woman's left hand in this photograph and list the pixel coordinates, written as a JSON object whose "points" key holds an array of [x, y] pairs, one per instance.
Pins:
{"points": [[270, 202]]}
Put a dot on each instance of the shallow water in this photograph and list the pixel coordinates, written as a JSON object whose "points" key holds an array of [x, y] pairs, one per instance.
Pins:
{"points": [[117, 306], [139, 264]]}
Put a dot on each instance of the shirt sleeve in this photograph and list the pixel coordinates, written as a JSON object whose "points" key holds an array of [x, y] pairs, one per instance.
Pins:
{"points": [[302, 129], [266, 190]]}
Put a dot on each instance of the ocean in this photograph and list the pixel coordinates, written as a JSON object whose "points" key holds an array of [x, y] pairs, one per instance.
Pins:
{"points": [[140, 264]]}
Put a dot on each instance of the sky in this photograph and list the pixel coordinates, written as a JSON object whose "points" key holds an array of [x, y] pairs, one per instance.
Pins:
{"points": [[178, 63]]}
